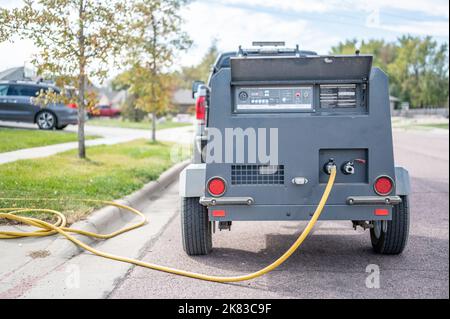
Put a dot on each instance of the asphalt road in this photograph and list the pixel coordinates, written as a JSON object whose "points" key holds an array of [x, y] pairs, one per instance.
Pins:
{"points": [[332, 262]]}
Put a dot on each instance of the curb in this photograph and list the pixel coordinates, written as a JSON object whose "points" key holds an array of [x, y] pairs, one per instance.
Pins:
{"points": [[110, 218]]}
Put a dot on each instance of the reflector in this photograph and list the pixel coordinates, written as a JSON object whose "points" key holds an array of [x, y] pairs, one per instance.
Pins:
{"points": [[383, 185], [216, 186]]}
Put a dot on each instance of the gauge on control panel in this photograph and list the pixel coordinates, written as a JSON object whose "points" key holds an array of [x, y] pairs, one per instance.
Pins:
{"points": [[275, 98], [243, 96]]}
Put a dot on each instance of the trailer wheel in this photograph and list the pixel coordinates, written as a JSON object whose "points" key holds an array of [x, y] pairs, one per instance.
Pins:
{"points": [[392, 239], [196, 229]]}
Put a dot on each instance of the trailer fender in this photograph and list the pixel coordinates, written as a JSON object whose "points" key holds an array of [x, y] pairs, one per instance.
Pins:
{"points": [[403, 185], [192, 180]]}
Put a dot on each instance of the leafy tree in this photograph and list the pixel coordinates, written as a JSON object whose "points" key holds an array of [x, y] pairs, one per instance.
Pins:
{"points": [[418, 67], [154, 41], [384, 53], [130, 112], [128, 107], [346, 48], [137, 82], [200, 71], [77, 41], [420, 71]]}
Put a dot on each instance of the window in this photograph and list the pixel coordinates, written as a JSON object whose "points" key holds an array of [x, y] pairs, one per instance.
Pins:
{"points": [[25, 90], [3, 89], [13, 90], [30, 91]]}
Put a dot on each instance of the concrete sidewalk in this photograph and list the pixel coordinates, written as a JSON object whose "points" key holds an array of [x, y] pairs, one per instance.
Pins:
{"points": [[110, 135], [32, 271]]}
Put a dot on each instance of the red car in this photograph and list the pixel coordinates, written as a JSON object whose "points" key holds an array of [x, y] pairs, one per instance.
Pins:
{"points": [[105, 111]]}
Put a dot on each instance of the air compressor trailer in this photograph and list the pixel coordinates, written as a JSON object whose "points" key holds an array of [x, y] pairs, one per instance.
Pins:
{"points": [[286, 116]]}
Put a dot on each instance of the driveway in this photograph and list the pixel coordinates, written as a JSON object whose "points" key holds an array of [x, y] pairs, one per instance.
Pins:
{"points": [[110, 135]]}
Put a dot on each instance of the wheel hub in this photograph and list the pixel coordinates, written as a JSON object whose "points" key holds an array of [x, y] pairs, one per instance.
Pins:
{"points": [[46, 120]]}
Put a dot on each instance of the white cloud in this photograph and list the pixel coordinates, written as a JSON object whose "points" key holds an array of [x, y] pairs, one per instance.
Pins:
{"points": [[235, 22], [435, 28], [438, 8], [17, 53], [233, 26], [429, 7], [239, 22], [9, 3], [288, 5]]}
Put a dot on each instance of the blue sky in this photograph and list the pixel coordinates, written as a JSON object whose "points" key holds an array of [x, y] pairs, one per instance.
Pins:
{"points": [[313, 24]]}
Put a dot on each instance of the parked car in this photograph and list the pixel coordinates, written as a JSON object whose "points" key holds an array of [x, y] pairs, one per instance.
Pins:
{"points": [[104, 111], [16, 105]]}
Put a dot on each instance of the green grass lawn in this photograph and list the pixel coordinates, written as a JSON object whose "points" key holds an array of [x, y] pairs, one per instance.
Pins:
{"points": [[411, 124], [144, 125], [111, 172], [15, 139], [437, 125]]}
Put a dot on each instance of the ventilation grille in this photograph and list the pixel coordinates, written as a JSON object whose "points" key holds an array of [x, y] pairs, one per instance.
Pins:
{"points": [[257, 174], [339, 95]]}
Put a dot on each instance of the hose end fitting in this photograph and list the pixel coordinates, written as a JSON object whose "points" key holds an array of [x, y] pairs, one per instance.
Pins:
{"points": [[329, 166]]}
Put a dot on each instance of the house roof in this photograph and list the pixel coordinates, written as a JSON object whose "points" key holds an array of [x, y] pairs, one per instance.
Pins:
{"points": [[12, 74]]}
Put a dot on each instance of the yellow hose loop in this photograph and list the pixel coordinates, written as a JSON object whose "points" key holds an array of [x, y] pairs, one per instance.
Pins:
{"points": [[48, 229], [61, 221]]}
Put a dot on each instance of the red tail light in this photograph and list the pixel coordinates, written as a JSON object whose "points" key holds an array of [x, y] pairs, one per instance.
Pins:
{"points": [[200, 108], [218, 213], [383, 185], [381, 212], [72, 106], [216, 186]]}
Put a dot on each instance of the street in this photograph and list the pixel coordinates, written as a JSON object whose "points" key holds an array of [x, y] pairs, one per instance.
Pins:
{"points": [[332, 262]]}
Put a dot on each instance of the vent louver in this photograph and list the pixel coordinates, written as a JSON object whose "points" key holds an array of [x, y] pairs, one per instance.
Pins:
{"points": [[257, 174]]}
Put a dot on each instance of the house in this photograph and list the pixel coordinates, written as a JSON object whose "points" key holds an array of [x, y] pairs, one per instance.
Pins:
{"points": [[18, 74], [394, 102], [107, 96], [182, 101]]}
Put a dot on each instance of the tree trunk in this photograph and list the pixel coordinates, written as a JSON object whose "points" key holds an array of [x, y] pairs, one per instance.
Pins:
{"points": [[81, 119], [153, 126], [81, 83]]}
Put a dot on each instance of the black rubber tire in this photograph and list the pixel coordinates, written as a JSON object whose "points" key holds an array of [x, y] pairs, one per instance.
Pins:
{"points": [[196, 229], [394, 240]]}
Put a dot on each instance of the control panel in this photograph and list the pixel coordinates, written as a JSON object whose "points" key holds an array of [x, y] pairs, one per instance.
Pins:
{"points": [[274, 98]]}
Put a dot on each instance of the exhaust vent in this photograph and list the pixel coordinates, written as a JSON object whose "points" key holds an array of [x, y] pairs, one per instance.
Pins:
{"points": [[338, 96], [257, 174]]}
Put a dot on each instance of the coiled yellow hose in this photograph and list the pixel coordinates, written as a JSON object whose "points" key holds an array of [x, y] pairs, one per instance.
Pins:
{"points": [[47, 229]]}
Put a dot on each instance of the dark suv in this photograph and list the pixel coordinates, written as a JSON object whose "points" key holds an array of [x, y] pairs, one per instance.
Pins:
{"points": [[16, 105]]}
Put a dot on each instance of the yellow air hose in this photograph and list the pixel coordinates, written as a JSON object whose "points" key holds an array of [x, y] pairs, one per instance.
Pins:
{"points": [[59, 226]]}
